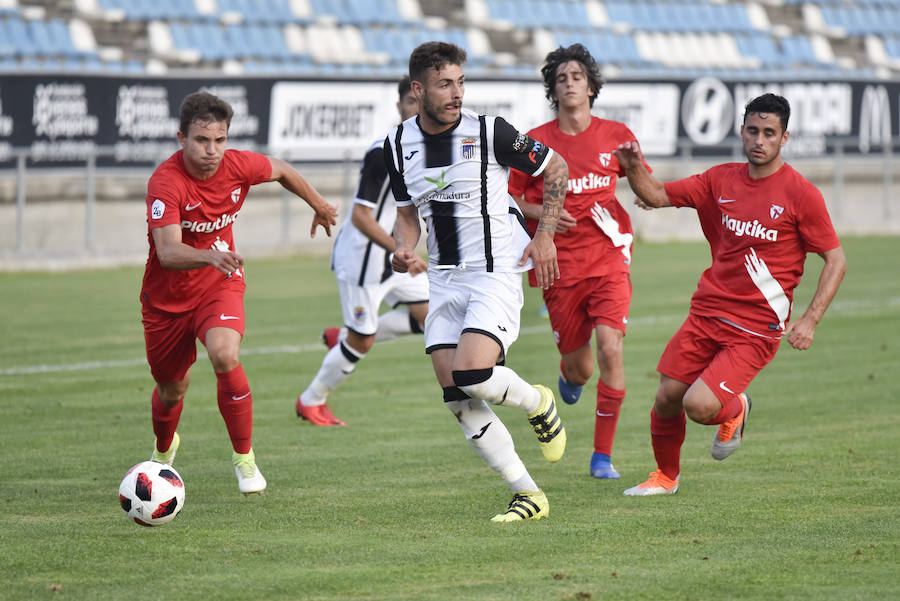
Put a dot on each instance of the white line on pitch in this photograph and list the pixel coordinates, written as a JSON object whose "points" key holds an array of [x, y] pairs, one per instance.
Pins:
{"points": [[847, 307]]}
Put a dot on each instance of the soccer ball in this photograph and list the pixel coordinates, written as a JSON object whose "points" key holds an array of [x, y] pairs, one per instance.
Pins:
{"points": [[152, 493]]}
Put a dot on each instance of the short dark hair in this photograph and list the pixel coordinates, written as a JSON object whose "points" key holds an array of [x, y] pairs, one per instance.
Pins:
{"points": [[434, 55], [403, 87], [562, 55], [770, 103], [203, 106]]}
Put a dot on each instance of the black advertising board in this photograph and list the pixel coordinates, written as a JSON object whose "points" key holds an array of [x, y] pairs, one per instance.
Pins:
{"points": [[61, 120]]}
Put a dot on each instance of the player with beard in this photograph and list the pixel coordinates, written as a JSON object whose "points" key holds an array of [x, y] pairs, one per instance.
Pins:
{"points": [[761, 218], [448, 164]]}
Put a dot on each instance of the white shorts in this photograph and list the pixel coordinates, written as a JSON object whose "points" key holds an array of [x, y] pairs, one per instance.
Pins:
{"points": [[360, 304], [479, 301]]}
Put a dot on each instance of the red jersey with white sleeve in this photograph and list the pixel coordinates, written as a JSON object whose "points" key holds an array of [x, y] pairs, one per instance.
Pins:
{"points": [[600, 243], [205, 210], [759, 232]]}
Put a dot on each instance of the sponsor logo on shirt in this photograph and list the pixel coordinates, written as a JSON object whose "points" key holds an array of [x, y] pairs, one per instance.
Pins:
{"points": [[209, 226], [467, 149], [591, 181], [520, 143], [749, 228], [535, 149], [440, 183]]}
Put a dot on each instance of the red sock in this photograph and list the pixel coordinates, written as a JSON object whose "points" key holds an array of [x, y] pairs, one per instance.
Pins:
{"points": [[609, 402], [165, 421], [667, 435], [731, 408], [236, 407]]}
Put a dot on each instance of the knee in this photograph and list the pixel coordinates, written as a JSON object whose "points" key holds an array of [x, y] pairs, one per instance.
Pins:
{"points": [[609, 353], [474, 382], [360, 343], [666, 403], [579, 372], [224, 359], [700, 409], [171, 393]]}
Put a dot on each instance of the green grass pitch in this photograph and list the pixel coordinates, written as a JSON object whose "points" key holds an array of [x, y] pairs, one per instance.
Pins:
{"points": [[396, 505]]}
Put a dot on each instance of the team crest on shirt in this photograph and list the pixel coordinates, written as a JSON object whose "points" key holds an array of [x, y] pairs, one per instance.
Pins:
{"points": [[605, 157], [467, 148], [236, 194], [358, 312], [775, 211]]}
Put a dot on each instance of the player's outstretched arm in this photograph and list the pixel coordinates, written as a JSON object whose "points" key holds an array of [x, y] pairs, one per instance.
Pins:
{"points": [[291, 180], [406, 235], [174, 254], [542, 250], [801, 331], [650, 191]]}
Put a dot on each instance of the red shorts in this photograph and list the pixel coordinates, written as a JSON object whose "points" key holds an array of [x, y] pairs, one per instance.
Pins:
{"points": [[171, 337], [576, 310], [726, 358]]}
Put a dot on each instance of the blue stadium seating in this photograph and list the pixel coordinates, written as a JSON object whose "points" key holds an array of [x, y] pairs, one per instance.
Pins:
{"points": [[256, 37]]}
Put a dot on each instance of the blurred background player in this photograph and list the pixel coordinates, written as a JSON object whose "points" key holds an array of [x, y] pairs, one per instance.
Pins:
{"points": [[361, 260], [760, 218], [449, 165], [193, 284], [593, 241]]}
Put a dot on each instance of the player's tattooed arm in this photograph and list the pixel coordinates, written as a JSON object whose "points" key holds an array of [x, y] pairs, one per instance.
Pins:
{"points": [[541, 250], [556, 178]]}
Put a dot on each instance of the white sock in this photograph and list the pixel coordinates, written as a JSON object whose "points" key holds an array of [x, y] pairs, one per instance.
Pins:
{"points": [[491, 440], [506, 388], [392, 324], [336, 366]]}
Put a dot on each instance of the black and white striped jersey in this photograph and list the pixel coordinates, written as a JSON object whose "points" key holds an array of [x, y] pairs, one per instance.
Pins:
{"points": [[458, 181], [355, 257]]}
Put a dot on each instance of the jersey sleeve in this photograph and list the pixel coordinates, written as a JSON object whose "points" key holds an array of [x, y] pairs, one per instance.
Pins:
{"points": [[688, 192], [256, 167], [371, 177], [814, 223], [163, 202], [398, 185], [517, 150]]}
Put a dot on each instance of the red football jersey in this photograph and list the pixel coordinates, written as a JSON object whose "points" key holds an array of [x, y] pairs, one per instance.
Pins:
{"points": [[206, 210], [584, 251], [759, 231]]}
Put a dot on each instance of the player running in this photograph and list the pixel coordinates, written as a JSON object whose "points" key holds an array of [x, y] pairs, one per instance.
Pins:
{"points": [[760, 218], [362, 265], [193, 284], [449, 165], [593, 239]]}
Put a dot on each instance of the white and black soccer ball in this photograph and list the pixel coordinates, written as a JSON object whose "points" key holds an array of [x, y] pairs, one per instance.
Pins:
{"points": [[152, 493]]}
